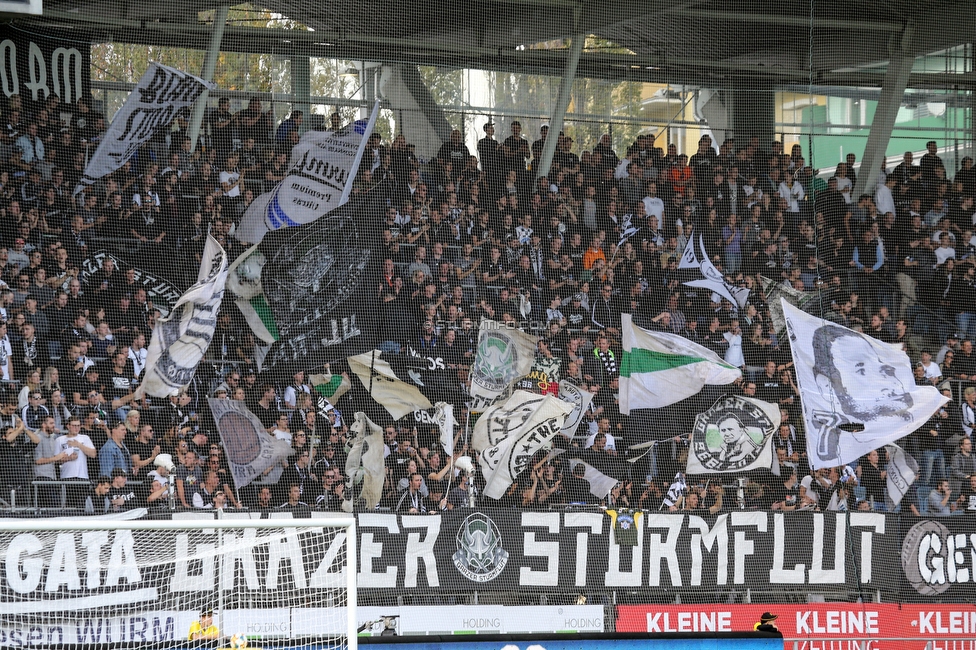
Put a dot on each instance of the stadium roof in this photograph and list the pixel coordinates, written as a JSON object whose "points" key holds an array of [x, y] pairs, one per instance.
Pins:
{"points": [[759, 44]]}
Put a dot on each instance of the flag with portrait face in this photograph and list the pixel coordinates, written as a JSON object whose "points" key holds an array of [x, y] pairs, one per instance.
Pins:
{"points": [[734, 435], [858, 393]]}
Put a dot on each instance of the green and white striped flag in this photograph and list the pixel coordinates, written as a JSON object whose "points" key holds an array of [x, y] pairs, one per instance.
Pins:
{"points": [[659, 369]]}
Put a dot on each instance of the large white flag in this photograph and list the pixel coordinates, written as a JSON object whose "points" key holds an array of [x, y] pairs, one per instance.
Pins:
{"points": [[322, 169], [858, 393], [659, 369], [503, 356], [244, 283], [249, 447], [180, 340], [395, 395], [162, 94], [695, 257], [509, 434], [364, 464], [900, 474]]}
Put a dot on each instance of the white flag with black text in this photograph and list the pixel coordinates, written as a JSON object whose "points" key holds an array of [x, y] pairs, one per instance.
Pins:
{"points": [[180, 340], [900, 474], [858, 393], [509, 434], [695, 257], [321, 172], [162, 94]]}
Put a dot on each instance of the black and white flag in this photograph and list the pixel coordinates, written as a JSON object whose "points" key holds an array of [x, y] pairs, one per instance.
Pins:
{"points": [[322, 168], [250, 449], [776, 290], [509, 434], [398, 397], [706, 276], [318, 280], [580, 399], [162, 94], [180, 340], [602, 471], [900, 472], [734, 435], [858, 393]]}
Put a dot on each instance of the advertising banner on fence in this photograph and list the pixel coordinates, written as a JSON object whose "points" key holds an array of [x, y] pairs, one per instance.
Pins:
{"points": [[819, 626]]}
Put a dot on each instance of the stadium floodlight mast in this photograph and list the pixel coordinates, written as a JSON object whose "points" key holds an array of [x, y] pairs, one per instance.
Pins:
{"points": [[142, 583]]}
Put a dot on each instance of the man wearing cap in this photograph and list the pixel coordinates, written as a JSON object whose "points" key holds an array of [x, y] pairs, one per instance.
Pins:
{"points": [[34, 413], [157, 483], [204, 628], [766, 623], [121, 495]]}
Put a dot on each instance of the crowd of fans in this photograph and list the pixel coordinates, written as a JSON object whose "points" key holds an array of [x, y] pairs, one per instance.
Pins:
{"points": [[468, 236]]}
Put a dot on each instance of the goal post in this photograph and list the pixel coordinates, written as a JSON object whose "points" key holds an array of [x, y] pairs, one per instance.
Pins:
{"points": [[143, 583]]}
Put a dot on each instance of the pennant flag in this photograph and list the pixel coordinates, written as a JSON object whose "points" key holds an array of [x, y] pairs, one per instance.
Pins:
{"points": [[162, 95], [659, 369], [734, 435], [398, 397], [775, 291], [322, 169], [858, 393], [675, 491], [244, 283], [180, 340], [901, 472], [695, 257], [330, 386], [626, 526], [444, 419], [580, 399], [318, 281], [364, 464], [503, 356], [249, 448], [509, 434]]}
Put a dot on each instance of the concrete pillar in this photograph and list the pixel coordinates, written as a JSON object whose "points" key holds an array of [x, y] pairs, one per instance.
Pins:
{"points": [[562, 103], [301, 88], [892, 92], [209, 65]]}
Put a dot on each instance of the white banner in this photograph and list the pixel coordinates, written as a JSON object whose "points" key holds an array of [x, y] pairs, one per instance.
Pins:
{"points": [[858, 392], [900, 474], [696, 257], [322, 169], [364, 464], [734, 435], [180, 340], [509, 434], [250, 449], [161, 95]]}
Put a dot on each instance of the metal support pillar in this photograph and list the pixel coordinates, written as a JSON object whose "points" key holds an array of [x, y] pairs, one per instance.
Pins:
{"points": [[301, 88], [892, 92], [209, 65], [562, 101]]}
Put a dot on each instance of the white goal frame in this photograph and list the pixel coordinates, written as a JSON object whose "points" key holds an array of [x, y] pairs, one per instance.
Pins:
{"points": [[225, 523]]}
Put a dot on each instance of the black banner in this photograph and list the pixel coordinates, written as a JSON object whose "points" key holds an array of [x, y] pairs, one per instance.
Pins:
{"points": [[35, 65], [938, 558]]}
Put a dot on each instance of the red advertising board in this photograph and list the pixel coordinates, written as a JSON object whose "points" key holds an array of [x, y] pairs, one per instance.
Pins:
{"points": [[820, 626]]}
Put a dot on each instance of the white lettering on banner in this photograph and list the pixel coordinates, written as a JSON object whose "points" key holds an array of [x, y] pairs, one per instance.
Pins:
{"points": [[779, 575], [481, 623], [837, 622], [369, 551], [548, 550], [660, 551], [744, 547], [591, 521], [24, 566], [418, 550], [955, 622], [718, 536], [66, 67], [819, 575], [689, 622]]}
